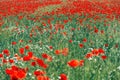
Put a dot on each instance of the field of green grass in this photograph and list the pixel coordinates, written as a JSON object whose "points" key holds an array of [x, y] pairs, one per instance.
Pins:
{"points": [[59, 47]]}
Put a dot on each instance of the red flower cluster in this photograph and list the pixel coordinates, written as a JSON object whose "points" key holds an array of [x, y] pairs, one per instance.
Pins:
{"points": [[16, 73], [41, 75], [46, 56], [13, 7], [90, 8], [41, 63], [96, 52], [63, 51], [75, 63]]}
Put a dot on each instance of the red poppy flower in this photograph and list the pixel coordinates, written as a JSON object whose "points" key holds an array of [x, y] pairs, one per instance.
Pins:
{"points": [[106, 45], [57, 52], [21, 41], [39, 73], [20, 17], [96, 30], [116, 45], [72, 29], [30, 54], [101, 50], [30, 34], [89, 55], [21, 50], [21, 74], [8, 71], [50, 47], [33, 63], [12, 77], [30, 41], [14, 43], [1, 55], [95, 52], [26, 58], [63, 77], [49, 59], [70, 41], [34, 58], [26, 27], [65, 51], [43, 78], [6, 52], [73, 63], [81, 45], [65, 21], [44, 55], [11, 61], [41, 63], [14, 68], [103, 57], [102, 31], [4, 61], [81, 62], [27, 47], [84, 40]]}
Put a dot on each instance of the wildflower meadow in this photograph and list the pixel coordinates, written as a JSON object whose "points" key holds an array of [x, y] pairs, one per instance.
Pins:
{"points": [[59, 39]]}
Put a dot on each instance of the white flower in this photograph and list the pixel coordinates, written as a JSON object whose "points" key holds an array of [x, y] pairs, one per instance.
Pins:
{"points": [[95, 60], [33, 77], [118, 67], [90, 49], [30, 74], [90, 59]]}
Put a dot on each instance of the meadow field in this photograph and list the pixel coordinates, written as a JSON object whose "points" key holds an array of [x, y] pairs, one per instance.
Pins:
{"points": [[59, 40]]}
